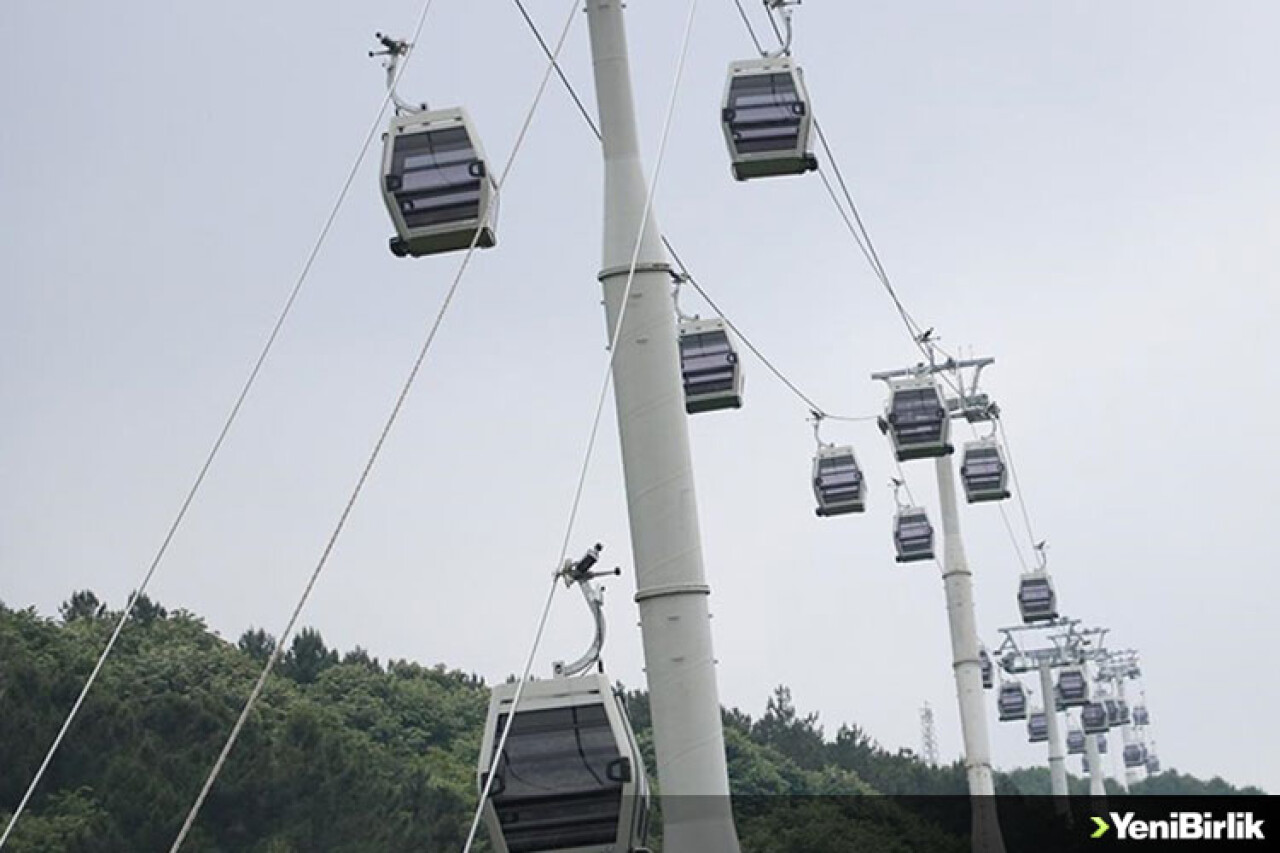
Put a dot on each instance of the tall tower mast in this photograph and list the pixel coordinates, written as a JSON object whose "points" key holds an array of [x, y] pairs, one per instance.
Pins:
{"points": [[957, 584], [671, 587], [928, 736]]}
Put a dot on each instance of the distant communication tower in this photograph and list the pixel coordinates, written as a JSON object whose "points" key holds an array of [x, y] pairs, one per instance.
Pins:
{"points": [[928, 737]]}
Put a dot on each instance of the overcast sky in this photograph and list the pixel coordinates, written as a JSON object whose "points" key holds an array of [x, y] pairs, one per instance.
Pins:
{"points": [[1086, 191]]}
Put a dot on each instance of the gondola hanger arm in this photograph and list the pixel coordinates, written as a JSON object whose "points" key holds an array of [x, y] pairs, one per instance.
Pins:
{"points": [[898, 486], [816, 417], [581, 572], [1041, 558], [783, 8], [395, 50], [677, 280]]}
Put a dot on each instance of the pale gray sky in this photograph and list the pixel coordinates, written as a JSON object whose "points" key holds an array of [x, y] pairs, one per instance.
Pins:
{"points": [[1086, 191]]}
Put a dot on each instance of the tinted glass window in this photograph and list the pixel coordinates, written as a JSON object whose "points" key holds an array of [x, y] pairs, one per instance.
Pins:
{"points": [[1071, 684], [917, 416], [437, 177], [839, 476], [708, 362], [833, 464], [1012, 699], [916, 403], [704, 343], [558, 749], [1094, 716], [914, 527], [764, 113], [982, 462], [1035, 592], [555, 789]]}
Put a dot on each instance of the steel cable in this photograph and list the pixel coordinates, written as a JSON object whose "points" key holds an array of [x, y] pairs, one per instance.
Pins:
{"points": [[603, 395], [221, 438], [368, 468], [675, 256]]}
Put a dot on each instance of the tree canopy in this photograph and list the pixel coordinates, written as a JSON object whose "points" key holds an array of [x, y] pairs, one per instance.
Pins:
{"points": [[344, 753]]}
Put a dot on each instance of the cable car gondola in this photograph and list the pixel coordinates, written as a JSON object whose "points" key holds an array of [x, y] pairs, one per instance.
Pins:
{"points": [[1037, 727], [436, 184], [983, 472], [912, 535], [570, 777], [1093, 717], [766, 119], [1011, 702], [1075, 742], [838, 484], [1036, 599], [1135, 755], [988, 669], [1140, 716], [1073, 687], [709, 365], [1153, 763], [1117, 713], [1102, 744], [916, 419]]}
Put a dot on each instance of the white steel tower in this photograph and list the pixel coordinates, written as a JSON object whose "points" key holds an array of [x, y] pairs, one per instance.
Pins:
{"points": [[671, 587]]}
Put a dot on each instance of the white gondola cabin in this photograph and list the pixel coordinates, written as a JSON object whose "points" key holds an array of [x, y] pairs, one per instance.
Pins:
{"points": [[710, 367], [1075, 742], [988, 669], [1037, 727], [570, 777], [916, 419], [1141, 717], [1036, 599], [766, 119], [1135, 755], [984, 472], [1153, 763], [1093, 717], [1011, 702], [436, 183], [1073, 687], [1102, 744], [838, 484], [912, 535]]}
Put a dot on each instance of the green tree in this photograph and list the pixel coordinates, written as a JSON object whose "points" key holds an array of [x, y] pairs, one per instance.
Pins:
{"points": [[799, 738], [341, 755], [360, 657], [257, 644], [82, 605], [146, 611], [70, 822], [307, 657]]}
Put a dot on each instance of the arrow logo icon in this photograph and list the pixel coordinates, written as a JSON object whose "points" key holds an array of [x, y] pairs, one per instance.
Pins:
{"points": [[1103, 826]]}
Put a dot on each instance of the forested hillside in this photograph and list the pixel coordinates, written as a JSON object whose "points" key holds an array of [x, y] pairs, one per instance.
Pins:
{"points": [[344, 752]]}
